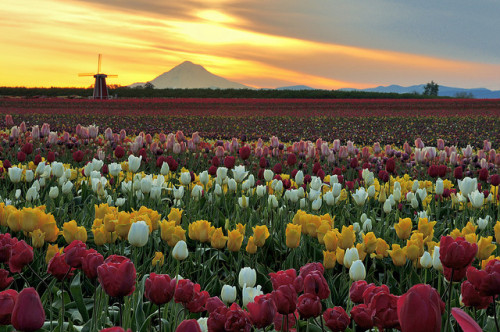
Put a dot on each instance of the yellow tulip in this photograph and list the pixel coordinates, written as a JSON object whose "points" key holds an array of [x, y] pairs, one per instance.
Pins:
{"points": [[322, 229], [101, 210], [99, 236], [123, 225], [415, 246], [241, 228], [360, 247], [329, 259], [398, 255], [485, 248], [37, 238], [370, 242], [486, 261], [260, 233], [312, 225], [339, 254], [382, 248], [110, 221], [166, 229], [403, 228], [455, 233], [153, 215], [52, 250], [218, 240], [293, 233], [14, 220], [48, 225], [159, 259], [496, 228], [175, 215], [179, 234], [427, 228], [234, 240], [330, 239], [469, 229], [251, 247], [29, 219], [347, 237], [201, 230]]}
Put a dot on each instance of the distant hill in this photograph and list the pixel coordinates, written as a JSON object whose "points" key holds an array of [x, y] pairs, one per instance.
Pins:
{"points": [[444, 91], [188, 75], [296, 87]]}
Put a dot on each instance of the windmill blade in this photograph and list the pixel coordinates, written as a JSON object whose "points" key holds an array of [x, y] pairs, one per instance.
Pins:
{"points": [[112, 75], [99, 64], [86, 74]]}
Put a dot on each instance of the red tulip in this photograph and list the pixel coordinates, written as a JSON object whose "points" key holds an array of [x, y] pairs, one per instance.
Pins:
{"points": [[59, 268], [472, 298], [117, 276], [188, 325], [280, 278], [371, 291], [384, 311], [229, 162], [119, 152], [6, 244], [291, 159], [390, 165], [288, 324], [244, 152], [5, 280], [277, 169], [27, 148], [78, 156], [487, 281], [458, 275], [420, 309], [21, 156], [7, 301], [197, 303], [28, 314], [456, 253], [362, 316], [217, 319], [306, 269], [90, 262], [495, 180], [21, 255], [159, 288], [184, 291], [213, 303], [336, 319], [357, 290], [51, 156], [458, 173], [315, 283], [465, 321], [74, 253], [309, 305], [483, 174], [237, 320], [285, 298], [262, 311]]}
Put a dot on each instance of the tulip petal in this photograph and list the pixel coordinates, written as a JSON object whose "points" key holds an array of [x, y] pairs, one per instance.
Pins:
{"points": [[465, 321]]}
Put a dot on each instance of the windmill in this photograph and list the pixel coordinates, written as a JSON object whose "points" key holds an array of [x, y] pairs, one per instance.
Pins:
{"points": [[100, 87]]}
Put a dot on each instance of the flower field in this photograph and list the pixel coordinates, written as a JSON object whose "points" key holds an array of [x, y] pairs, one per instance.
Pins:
{"points": [[291, 215]]}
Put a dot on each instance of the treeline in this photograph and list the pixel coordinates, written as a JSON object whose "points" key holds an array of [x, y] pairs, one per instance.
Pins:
{"points": [[126, 92]]}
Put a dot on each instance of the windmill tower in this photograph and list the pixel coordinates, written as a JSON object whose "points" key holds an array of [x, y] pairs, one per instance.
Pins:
{"points": [[100, 87]]}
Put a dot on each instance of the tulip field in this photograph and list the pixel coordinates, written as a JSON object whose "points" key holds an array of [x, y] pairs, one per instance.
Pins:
{"points": [[240, 215]]}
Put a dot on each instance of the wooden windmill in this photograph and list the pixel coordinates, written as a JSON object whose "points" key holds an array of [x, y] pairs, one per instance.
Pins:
{"points": [[100, 87]]}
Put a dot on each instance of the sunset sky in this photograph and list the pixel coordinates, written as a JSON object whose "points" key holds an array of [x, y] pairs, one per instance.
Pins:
{"points": [[326, 44]]}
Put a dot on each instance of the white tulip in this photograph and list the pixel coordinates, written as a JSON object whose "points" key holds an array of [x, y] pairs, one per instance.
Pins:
{"points": [[203, 324], [180, 251], [32, 194], [300, 192], [196, 192], [476, 198], [29, 175], [221, 173], [126, 187], [336, 189], [261, 190], [185, 178], [138, 234], [316, 204], [483, 223], [146, 184], [467, 185], [15, 174], [155, 192], [357, 271], [114, 169], [396, 194], [268, 175], [247, 276], [178, 192], [272, 201], [40, 168], [18, 193], [57, 169], [350, 256], [334, 179], [368, 177], [218, 189], [54, 192], [231, 185], [313, 194], [316, 183], [239, 173], [97, 164], [302, 203], [243, 201], [251, 180], [228, 294], [426, 260], [356, 228], [134, 163], [387, 206], [422, 193], [87, 169], [299, 178], [415, 186], [439, 187], [371, 191], [204, 177], [360, 196], [278, 187], [367, 225], [120, 201], [436, 261], [250, 293], [329, 198], [292, 195], [165, 169]]}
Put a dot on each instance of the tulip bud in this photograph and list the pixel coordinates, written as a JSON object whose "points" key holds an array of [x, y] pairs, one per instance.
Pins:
{"points": [[29, 175], [260, 190], [231, 185], [120, 201], [15, 174], [180, 251], [426, 260], [436, 262], [134, 163], [483, 223], [272, 201], [371, 191], [228, 294], [221, 173], [247, 276], [350, 256], [179, 192], [218, 189], [357, 271], [185, 178], [268, 175], [367, 225], [387, 206], [299, 178], [54, 192], [138, 234], [316, 204], [204, 178], [439, 187], [165, 169]]}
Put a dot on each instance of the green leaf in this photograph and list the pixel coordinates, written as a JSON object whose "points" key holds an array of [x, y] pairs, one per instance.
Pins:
{"points": [[76, 292], [140, 316]]}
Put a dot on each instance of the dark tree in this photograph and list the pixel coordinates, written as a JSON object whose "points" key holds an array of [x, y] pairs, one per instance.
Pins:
{"points": [[431, 89]]}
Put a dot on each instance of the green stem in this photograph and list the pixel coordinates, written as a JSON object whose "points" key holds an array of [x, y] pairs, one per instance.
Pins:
{"points": [[449, 302]]}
